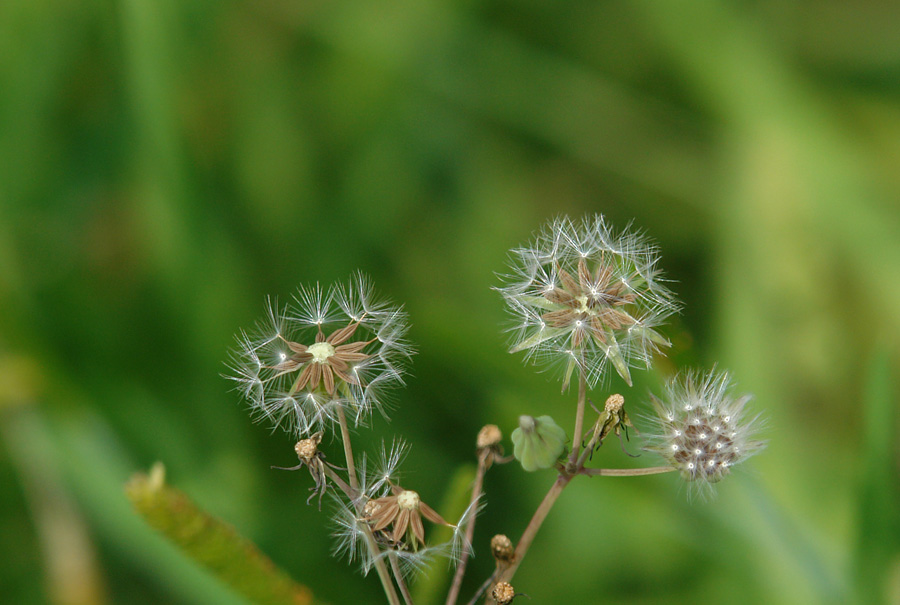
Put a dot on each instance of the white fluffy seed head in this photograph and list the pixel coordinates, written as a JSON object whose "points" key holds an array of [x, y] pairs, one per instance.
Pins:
{"points": [[697, 445], [612, 319], [258, 362]]}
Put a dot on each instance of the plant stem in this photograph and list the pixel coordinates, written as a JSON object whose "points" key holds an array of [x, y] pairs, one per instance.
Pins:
{"points": [[533, 526], [383, 573], [348, 491], [348, 450], [579, 422], [625, 472], [470, 529], [400, 582], [481, 589]]}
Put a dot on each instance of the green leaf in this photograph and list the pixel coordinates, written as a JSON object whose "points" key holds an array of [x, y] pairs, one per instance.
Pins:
{"points": [[877, 540], [213, 544]]}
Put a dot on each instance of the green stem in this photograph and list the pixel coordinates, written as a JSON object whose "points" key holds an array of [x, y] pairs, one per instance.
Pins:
{"points": [[533, 526], [348, 450], [579, 423], [380, 567]]}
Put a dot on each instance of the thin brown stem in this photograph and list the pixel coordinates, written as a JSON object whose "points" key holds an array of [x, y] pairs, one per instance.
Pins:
{"points": [[404, 590], [481, 589], [351, 494], [453, 595], [626, 472], [383, 573], [533, 526]]}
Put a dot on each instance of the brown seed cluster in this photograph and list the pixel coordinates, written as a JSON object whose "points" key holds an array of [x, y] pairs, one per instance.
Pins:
{"points": [[503, 593], [308, 448], [402, 512], [614, 403], [704, 447]]}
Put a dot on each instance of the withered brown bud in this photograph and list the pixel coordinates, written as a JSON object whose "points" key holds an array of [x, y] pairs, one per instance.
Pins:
{"points": [[503, 593], [308, 448], [502, 548], [489, 436], [614, 403]]}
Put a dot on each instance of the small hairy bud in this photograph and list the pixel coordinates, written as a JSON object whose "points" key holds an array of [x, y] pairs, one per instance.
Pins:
{"points": [[502, 548], [503, 593], [488, 436]]}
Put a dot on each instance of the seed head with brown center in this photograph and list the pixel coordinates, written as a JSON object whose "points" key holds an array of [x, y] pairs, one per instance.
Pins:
{"points": [[336, 348], [700, 428], [589, 298]]}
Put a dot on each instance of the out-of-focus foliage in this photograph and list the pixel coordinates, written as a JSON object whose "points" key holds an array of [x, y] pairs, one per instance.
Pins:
{"points": [[166, 165]]}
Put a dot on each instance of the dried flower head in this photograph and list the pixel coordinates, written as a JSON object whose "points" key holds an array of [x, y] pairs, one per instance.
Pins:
{"points": [[395, 519], [503, 593], [339, 348], [613, 419], [402, 511], [700, 428], [588, 297], [308, 452]]}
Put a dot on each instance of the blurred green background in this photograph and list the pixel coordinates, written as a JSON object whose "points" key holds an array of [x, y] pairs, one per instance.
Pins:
{"points": [[166, 165]]}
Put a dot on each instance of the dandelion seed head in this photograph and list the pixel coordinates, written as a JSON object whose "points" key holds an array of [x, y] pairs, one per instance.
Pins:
{"points": [[581, 287], [696, 445], [331, 348]]}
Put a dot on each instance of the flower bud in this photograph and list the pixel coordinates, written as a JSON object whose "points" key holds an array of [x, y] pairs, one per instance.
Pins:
{"points": [[489, 436], [538, 442], [502, 548]]}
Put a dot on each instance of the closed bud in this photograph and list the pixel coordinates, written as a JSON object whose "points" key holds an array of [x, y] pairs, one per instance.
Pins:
{"points": [[502, 548], [489, 436], [538, 442]]}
